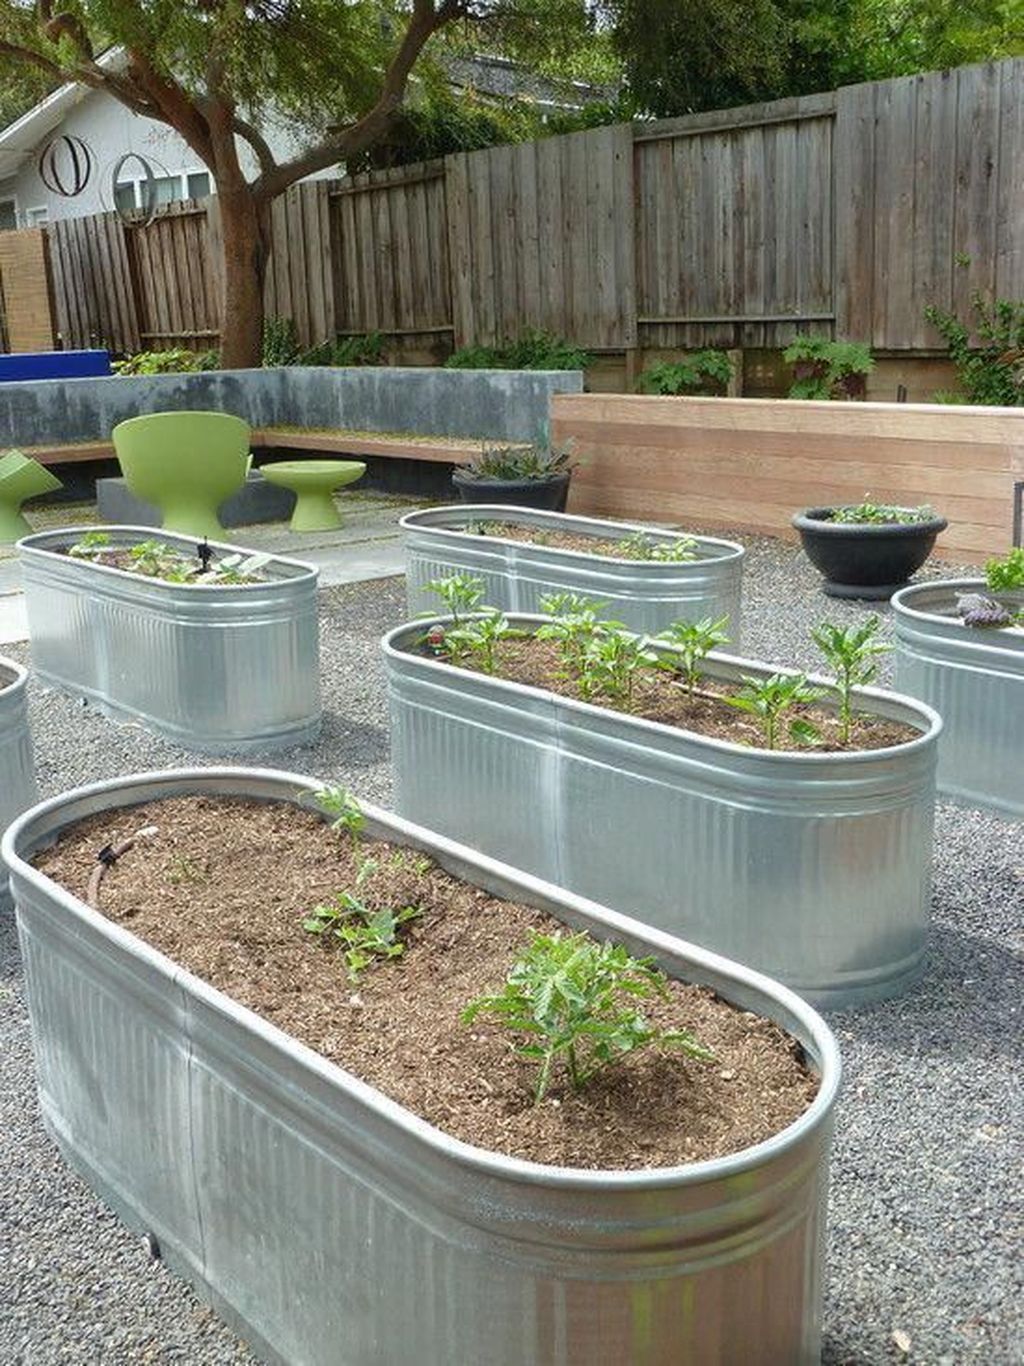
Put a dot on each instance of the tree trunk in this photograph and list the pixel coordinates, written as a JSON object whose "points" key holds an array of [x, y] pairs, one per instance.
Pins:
{"points": [[245, 237]]}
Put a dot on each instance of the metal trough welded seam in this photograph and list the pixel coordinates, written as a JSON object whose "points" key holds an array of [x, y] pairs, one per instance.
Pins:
{"points": [[975, 678], [813, 867], [215, 668], [17, 771], [647, 595], [297, 1197]]}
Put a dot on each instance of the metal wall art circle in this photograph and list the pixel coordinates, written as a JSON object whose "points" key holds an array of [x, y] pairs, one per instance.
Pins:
{"points": [[66, 165], [147, 211]]}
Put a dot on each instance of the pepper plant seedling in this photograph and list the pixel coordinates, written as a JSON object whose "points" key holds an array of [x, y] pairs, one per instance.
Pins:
{"points": [[693, 640], [478, 638], [852, 654], [770, 698], [611, 660], [640, 546], [460, 593], [576, 1001]]}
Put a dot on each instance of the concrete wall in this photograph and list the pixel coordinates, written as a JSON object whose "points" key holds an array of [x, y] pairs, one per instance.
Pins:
{"points": [[498, 404]]}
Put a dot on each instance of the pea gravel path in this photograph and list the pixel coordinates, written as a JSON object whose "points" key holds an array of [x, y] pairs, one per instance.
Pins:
{"points": [[926, 1221]]}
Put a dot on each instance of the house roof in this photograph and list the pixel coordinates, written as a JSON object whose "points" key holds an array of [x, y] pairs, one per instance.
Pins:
{"points": [[19, 140]]}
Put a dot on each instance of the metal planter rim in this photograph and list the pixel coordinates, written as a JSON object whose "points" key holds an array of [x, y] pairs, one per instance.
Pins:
{"points": [[710, 969], [887, 702], [422, 520], [902, 602], [19, 681], [43, 541]]}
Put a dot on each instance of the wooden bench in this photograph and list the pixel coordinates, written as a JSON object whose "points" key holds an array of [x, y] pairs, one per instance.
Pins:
{"points": [[441, 450]]}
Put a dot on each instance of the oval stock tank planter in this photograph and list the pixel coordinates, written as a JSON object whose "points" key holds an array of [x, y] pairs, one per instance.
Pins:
{"points": [[17, 775], [812, 867], [333, 1227], [974, 678], [213, 667], [646, 595]]}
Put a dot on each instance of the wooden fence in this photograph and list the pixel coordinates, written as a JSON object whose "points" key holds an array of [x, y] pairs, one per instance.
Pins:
{"points": [[844, 213]]}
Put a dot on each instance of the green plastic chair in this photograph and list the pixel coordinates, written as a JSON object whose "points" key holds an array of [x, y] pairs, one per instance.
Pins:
{"points": [[21, 477], [185, 464]]}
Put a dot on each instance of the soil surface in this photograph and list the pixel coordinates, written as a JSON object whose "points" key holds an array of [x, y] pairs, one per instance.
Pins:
{"points": [[170, 565], [624, 548], [659, 695], [222, 887]]}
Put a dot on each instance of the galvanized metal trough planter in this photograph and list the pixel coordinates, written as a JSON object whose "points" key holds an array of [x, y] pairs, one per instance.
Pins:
{"points": [[974, 678], [646, 595], [17, 774], [217, 668], [812, 867], [333, 1227]]}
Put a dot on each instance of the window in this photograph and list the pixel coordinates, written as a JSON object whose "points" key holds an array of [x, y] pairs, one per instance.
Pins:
{"points": [[8, 213], [198, 185], [35, 218], [124, 196], [167, 189]]}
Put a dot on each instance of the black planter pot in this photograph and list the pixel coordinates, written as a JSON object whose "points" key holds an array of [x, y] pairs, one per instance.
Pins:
{"points": [[866, 559], [549, 493]]}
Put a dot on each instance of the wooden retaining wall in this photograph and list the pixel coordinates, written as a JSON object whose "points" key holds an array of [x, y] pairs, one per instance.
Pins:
{"points": [[749, 464]]}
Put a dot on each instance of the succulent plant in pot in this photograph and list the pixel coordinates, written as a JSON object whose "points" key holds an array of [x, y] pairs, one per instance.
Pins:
{"points": [[867, 550], [530, 474]]}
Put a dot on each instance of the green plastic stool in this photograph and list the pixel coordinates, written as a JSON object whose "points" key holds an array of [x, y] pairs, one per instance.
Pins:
{"points": [[186, 464], [313, 482], [20, 477]]}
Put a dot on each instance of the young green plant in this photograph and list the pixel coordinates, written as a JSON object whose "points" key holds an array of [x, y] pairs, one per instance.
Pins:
{"points": [[692, 641], [576, 1000], [575, 624], [770, 698], [460, 593], [852, 654], [1006, 574], [640, 546], [367, 933], [611, 661], [477, 638]]}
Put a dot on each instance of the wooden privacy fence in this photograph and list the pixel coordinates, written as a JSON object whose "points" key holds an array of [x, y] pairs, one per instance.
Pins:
{"points": [[845, 214]]}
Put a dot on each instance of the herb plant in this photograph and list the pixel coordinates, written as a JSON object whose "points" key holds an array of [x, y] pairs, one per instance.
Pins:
{"points": [[824, 369], [577, 1002], [770, 698], [1006, 574], [880, 513], [460, 593], [367, 932], [852, 654], [639, 546], [702, 372], [693, 640], [345, 809], [477, 638], [977, 610], [526, 461]]}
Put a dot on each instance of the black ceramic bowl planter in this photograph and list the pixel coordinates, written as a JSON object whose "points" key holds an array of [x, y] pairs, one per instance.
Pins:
{"points": [[865, 559], [549, 492]]}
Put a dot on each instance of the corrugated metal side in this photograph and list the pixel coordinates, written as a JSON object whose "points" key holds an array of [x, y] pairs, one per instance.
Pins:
{"points": [[17, 773], [814, 868], [645, 595], [974, 678], [336, 1229], [216, 669]]}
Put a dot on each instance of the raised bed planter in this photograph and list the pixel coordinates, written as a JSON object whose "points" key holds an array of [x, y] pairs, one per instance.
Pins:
{"points": [[974, 678], [646, 595], [330, 1225], [812, 867], [17, 775], [219, 668]]}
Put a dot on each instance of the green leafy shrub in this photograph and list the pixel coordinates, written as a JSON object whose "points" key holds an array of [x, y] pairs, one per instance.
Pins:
{"points": [[702, 372], [280, 342], [367, 348], [824, 369], [877, 514], [1006, 574], [527, 461], [533, 350], [576, 1001], [174, 361], [993, 371]]}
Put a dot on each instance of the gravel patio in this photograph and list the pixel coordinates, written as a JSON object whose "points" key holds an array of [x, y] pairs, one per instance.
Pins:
{"points": [[926, 1214]]}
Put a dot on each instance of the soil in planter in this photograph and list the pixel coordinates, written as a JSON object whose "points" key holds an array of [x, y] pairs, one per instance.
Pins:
{"points": [[659, 696], [606, 548], [222, 887], [172, 565]]}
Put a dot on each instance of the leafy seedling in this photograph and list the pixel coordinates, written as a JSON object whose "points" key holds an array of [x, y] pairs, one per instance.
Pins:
{"points": [[1006, 574], [693, 640], [576, 1001], [640, 546], [460, 593], [852, 654], [478, 638], [91, 544], [611, 661], [770, 698], [367, 933]]}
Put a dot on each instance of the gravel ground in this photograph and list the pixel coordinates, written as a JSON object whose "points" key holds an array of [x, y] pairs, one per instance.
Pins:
{"points": [[926, 1209]]}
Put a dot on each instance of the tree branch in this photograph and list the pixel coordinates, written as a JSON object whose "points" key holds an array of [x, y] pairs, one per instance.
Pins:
{"points": [[252, 135], [31, 58]]}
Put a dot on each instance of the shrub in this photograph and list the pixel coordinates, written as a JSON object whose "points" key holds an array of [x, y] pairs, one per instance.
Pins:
{"points": [[702, 372], [527, 461], [1006, 574], [992, 372], [824, 369], [533, 350], [280, 344], [173, 361]]}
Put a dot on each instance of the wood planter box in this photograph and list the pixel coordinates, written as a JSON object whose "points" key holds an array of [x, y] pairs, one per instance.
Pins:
{"points": [[974, 678], [17, 775], [219, 668], [646, 595], [812, 867], [330, 1225]]}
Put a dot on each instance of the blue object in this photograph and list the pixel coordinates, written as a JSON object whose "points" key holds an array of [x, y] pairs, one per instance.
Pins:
{"points": [[54, 365]]}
